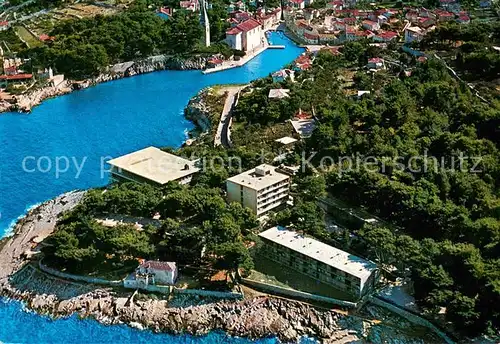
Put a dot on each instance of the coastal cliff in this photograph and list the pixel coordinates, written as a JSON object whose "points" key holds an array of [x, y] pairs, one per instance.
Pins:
{"points": [[27, 101], [198, 111], [256, 317]]}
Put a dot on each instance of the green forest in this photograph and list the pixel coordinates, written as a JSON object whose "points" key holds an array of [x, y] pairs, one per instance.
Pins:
{"points": [[434, 174], [197, 227], [83, 47]]}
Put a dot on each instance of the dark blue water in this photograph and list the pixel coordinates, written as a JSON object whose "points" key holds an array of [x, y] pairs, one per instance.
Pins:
{"points": [[19, 326], [80, 131]]}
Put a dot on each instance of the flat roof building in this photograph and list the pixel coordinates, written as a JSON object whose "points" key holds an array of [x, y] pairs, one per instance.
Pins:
{"points": [[328, 264], [260, 189], [152, 165]]}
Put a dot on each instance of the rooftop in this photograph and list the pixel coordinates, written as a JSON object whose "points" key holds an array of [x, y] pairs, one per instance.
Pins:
{"points": [[157, 265], [155, 165], [279, 93], [259, 178], [304, 127], [322, 252], [286, 140]]}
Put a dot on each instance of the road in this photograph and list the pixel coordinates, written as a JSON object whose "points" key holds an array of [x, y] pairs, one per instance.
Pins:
{"points": [[222, 137]]}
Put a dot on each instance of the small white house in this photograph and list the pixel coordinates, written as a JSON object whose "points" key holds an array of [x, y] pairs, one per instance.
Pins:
{"points": [[159, 272]]}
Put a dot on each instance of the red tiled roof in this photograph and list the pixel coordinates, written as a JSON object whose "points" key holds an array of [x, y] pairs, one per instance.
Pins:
{"points": [[16, 77], [233, 31], [10, 69], [302, 115], [4, 23], [463, 18], [387, 35], [310, 36], [248, 25], [296, 1], [157, 265], [376, 60], [44, 37], [369, 22]]}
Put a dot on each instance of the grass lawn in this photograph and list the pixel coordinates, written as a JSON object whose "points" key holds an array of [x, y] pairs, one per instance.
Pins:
{"points": [[270, 272], [31, 40]]}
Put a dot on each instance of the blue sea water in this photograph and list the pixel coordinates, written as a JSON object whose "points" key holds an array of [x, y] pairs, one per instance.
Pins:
{"points": [[20, 326], [87, 128]]}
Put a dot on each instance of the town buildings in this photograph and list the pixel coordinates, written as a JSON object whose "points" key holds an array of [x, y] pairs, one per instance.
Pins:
{"points": [[153, 166], [325, 263], [246, 36], [261, 189]]}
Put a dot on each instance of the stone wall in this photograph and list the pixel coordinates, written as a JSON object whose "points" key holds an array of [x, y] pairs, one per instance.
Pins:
{"points": [[410, 317], [273, 289], [209, 293], [78, 278]]}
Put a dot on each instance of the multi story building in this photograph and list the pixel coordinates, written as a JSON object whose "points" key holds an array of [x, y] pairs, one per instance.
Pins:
{"points": [[260, 189], [153, 166], [325, 263], [246, 36]]}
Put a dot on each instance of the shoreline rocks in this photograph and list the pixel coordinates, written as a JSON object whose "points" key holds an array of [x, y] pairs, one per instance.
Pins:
{"points": [[24, 103], [198, 112], [258, 317]]}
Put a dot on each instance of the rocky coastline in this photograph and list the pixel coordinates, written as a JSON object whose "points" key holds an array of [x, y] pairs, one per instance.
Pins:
{"points": [[256, 317], [198, 111], [24, 103]]}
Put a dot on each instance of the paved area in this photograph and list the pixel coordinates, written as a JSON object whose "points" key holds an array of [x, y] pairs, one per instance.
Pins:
{"points": [[222, 137]]}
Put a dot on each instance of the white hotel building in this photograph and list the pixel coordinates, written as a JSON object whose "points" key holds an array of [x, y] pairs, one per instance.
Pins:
{"points": [[323, 262], [260, 189]]}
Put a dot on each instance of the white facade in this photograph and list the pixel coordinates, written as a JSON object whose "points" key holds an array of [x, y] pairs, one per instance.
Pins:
{"points": [[159, 272], [413, 34], [261, 189], [325, 263], [246, 36], [253, 39], [235, 40]]}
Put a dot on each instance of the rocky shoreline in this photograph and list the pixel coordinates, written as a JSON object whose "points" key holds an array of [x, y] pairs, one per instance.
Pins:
{"points": [[24, 103], [256, 317]]}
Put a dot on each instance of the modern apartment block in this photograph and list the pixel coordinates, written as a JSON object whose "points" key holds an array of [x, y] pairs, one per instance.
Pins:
{"points": [[260, 189], [320, 261]]}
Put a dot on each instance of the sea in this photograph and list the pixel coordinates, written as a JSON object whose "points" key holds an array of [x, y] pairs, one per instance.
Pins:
{"points": [[63, 145]]}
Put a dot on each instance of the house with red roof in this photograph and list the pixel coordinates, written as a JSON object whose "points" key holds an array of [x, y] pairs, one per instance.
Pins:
{"points": [[463, 19], [311, 38], [426, 22], [297, 4], [375, 63], [370, 25], [386, 36], [14, 79], [246, 36], [444, 16], [303, 62], [4, 25], [44, 38], [152, 273], [190, 5]]}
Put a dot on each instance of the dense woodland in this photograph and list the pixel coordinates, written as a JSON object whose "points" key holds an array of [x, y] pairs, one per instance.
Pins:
{"points": [[84, 47], [471, 45], [194, 220], [445, 217]]}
